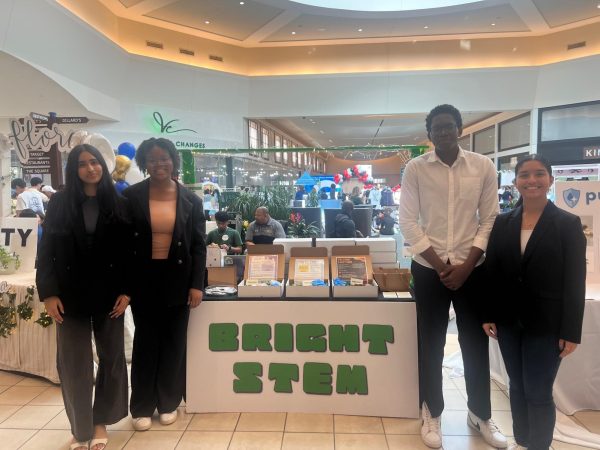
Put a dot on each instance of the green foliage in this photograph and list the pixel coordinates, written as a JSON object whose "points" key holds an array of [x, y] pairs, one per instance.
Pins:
{"points": [[6, 259], [8, 320], [275, 198], [313, 199], [298, 228]]}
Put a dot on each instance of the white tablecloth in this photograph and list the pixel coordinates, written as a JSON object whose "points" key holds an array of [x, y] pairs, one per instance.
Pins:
{"points": [[32, 348]]}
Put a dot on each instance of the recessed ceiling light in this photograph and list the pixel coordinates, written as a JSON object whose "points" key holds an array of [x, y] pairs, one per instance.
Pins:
{"points": [[426, 27], [598, 6], [360, 29], [493, 24], [293, 32], [207, 22], [241, 3]]}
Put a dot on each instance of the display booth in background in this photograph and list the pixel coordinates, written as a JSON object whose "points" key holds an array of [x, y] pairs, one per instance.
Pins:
{"points": [[583, 199]]}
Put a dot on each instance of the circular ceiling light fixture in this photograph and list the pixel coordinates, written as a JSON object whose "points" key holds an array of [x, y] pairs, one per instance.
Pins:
{"points": [[384, 5]]}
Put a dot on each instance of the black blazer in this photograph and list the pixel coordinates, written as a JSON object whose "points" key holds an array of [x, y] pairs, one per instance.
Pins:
{"points": [[187, 256], [87, 280], [545, 288]]}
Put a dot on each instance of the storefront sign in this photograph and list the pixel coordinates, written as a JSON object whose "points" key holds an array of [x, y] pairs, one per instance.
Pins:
{"points": [[583, 199], [38, 163], [27, 137], [591, 152], [303, 356], [19, 235], [170, 127]]}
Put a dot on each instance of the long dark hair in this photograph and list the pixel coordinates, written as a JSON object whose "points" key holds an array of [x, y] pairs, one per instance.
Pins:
{"points": [[69, 205], [534, 157]]}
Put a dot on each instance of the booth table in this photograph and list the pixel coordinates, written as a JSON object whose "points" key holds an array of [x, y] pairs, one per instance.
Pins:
{"points": [[32, 348], [577, 385], [303, 355]]}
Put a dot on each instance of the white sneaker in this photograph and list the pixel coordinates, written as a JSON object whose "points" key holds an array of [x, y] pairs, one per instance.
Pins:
{"points": [[142, 423], [168, 418], [488, 429], [431, 430], [515, 446]]}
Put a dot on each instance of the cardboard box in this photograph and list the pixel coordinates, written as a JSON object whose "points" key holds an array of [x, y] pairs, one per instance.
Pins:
{"points": [[384, 257], [255, 252], [222, 276], [312, 253], [370, 290], [215, 256], [392, 280]]}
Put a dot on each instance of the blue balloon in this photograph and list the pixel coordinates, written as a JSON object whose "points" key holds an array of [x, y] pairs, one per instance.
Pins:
{"points": [[127, 149]]}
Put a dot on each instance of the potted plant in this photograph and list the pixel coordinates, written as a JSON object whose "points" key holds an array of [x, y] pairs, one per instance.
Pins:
{"points": [[298, 228]]}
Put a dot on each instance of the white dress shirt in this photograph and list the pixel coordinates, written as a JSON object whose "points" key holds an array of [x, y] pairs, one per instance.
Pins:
{"points": [[448, 208]]}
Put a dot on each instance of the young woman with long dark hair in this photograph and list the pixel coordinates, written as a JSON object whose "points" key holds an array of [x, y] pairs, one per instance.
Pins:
{"points": [[536, 255], [82, 279]]}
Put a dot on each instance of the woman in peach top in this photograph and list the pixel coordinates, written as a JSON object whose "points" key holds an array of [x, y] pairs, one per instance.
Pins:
{"points": [[168, 275]]}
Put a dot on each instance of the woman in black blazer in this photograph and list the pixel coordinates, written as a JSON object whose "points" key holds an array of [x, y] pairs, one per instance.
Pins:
{"points": [[536, 263], [168, 277], [82, 279]]}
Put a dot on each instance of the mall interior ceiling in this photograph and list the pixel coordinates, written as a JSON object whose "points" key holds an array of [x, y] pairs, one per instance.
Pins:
{"points": [[262, 38]]}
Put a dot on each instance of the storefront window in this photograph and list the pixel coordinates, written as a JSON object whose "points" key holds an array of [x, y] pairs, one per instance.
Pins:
{"points": [[465, 142], [515, 132], [572, 122], [483, 141]]}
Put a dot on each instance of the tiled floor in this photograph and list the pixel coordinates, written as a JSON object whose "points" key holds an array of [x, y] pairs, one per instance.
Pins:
{"points": [[32, 417]]}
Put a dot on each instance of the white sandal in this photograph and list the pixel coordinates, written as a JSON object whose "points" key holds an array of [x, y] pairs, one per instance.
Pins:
{"points": [[99, 441], [78, 445]]}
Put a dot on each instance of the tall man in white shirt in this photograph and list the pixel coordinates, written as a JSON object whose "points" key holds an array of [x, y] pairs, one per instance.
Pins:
{"points": [[447, 208]]}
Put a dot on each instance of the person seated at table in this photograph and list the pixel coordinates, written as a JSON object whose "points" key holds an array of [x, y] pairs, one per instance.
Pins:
{"points": [[225, 237], [344, 225], [264, 229], [536, 255], [82, 278]]}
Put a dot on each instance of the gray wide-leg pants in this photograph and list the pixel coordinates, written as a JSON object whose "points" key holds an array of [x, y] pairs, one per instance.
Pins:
{"points": [[76, 370]]}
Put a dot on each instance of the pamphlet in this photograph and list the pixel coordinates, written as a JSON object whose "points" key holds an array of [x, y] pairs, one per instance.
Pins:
{"points": [[352, 267], [309, 269], [262, 267]]}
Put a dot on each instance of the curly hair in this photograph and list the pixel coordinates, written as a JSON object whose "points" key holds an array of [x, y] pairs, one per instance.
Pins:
{"points": [[141, 153], [443, 109]]}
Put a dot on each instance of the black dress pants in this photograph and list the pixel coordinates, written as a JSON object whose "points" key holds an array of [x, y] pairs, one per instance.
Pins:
{"points": [[158, 360], [433, 303], [532, 361], [76, 370]]}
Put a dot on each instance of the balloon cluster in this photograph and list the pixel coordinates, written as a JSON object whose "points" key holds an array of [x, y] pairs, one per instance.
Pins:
{"points": [[353, 172]]}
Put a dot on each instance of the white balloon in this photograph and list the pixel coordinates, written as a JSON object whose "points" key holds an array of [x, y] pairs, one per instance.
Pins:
{"points": [[134, 174], [105, 149]]}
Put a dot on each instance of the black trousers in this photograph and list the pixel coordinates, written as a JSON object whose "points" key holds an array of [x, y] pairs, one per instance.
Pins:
{"points": [[433, 303], [76, 370], [158, 359], [532, 362]]}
